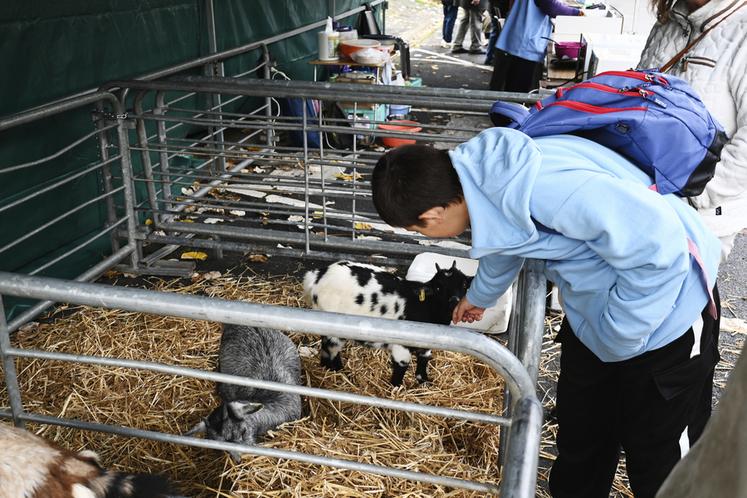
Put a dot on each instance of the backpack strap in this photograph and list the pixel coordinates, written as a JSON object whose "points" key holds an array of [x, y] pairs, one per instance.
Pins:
{"points": [[693, 250], [674, 60]]}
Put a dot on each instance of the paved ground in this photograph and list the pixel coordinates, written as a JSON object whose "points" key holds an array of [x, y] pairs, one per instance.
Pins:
{"points": [[419, 22]]}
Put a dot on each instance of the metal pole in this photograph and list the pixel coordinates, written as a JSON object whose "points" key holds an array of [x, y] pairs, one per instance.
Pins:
{"points": [[145, 156], [129, 189], [416, 334], [89, 274], [270, 133], [215, 69], [106, 174], [304, 129], [529, 341], [519, 475], [161, 110], [9, 370]]}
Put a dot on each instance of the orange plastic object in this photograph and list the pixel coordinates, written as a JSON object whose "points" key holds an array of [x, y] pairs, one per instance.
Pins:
{"points": [[399, 125]]}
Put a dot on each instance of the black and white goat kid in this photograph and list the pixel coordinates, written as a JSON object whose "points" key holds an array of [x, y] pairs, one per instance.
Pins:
{"points": [[32, 467], [360, 289], [246, 413]]}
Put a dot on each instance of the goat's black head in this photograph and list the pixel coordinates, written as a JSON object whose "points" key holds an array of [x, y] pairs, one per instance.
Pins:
{"points": [[443, 292]]}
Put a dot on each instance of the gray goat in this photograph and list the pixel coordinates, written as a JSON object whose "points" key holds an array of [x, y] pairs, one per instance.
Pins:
{"points": [[246, 413]]}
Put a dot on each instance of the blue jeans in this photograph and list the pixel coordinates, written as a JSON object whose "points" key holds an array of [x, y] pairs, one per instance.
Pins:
{"points": [[494, 32], [450, 15]]}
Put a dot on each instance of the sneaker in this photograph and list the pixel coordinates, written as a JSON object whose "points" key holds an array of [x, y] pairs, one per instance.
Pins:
{"points": [[458, 50], [477, 51], [445, 44]]}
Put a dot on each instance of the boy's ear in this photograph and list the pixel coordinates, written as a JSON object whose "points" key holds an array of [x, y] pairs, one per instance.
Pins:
{"points": [[434, 214]]}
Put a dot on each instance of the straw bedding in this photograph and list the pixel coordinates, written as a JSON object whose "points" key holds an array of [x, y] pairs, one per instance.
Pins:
{"points": [[170, 404]]}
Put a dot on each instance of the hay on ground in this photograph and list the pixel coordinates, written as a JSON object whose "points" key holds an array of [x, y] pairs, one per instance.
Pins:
{"points": [[158, 402]]}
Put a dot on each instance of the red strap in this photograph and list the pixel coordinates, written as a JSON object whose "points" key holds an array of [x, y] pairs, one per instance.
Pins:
{"points": [[693, 249]]}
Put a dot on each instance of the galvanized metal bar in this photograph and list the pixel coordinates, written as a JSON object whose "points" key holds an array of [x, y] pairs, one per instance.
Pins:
{"points": [[243, 247], [9, 370], [57, 154], [214, 69], [532, 326], [90, 274], [225, 54], [108, 229], [327, 394], [355, 156], [268, 101], [129, 188], [448, 98], [163, 163], [106, 173], [56, 219], [142, 137], [363, 328], [306, 174], [274, 236], [519, 475], [264, 451], [57, 184], [56, 107]]}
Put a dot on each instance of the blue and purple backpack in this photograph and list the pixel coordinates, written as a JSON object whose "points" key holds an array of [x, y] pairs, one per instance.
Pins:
{"points": [[657, 121]]}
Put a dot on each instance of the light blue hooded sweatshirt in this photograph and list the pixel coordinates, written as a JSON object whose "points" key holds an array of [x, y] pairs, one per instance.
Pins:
{"points": [[620, 255]]}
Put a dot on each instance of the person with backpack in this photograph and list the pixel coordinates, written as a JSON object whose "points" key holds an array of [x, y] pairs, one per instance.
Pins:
{"points": [[705, 43], [636, 272], [522, 43]]}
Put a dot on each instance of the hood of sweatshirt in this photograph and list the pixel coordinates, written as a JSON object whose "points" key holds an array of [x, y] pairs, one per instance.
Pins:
{"points": [[497, 170]]}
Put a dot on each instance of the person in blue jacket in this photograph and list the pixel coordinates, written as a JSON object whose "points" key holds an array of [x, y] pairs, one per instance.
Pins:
{"points": [[522, 43], [640, 333]]}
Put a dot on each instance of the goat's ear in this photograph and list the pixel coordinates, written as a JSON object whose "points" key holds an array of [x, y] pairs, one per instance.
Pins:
{"points": [[438, 268], [198, 428], [240, 409], [453, 265]]}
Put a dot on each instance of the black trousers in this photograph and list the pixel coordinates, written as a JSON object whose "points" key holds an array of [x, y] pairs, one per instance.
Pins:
{"points": [[653, 407], [514, 74]]}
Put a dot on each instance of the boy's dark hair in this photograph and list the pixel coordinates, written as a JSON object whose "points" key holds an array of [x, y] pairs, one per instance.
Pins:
{"points": [[410, 180]]}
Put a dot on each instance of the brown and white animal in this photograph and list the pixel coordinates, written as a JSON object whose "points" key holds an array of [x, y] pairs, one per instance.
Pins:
{"points": [[360, 289], [31, 467]]}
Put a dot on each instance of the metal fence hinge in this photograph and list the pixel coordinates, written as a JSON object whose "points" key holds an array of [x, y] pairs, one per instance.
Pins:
{"points": [[111, 117]]}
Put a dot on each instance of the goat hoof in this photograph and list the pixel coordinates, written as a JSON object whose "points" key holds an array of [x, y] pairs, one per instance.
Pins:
{"points": [[422, 380], [334, 365]]}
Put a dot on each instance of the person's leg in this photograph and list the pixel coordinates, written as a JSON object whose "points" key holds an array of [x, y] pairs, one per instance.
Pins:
{"points": [[501, 67], [450, 15], [462, 24], [523, 75], [475, 21], [494, 32], [667, 402], [588, 447]]}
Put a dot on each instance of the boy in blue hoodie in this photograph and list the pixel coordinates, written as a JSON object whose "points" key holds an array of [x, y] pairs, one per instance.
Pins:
{"points": [[635, 270]]}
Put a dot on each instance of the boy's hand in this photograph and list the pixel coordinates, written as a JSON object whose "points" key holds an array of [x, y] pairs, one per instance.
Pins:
{"points": [[466, 312]]}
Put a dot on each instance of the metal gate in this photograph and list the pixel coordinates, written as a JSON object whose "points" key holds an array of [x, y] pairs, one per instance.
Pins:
{"points": [[241, 183]]}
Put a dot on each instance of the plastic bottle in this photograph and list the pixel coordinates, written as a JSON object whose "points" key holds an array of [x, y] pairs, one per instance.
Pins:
{"points": [[328, 41]]}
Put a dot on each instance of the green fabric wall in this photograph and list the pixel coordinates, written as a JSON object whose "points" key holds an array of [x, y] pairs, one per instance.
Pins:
{"points": [[51, 49]]}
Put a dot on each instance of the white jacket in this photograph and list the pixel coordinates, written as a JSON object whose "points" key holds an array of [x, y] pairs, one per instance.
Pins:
{"points": [[716, 68]]}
